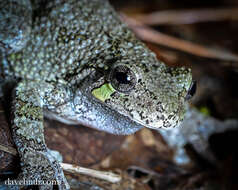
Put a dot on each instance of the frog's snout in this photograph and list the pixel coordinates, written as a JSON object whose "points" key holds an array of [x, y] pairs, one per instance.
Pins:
{"points": [[191, 91]]}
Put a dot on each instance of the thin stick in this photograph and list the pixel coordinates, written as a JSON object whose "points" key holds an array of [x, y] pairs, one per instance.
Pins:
{"points": [[150, 35], [187, 16], [8, 149], [107, 176]]}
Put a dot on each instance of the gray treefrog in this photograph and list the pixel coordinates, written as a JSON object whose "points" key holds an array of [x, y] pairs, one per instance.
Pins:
{"points": [[77, 62]]}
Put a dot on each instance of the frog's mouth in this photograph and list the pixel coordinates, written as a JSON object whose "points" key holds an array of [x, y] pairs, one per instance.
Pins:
{"points": [[103, 92]]}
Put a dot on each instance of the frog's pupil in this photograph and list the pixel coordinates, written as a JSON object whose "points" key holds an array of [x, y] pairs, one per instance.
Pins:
{"points": [[122, 77]]}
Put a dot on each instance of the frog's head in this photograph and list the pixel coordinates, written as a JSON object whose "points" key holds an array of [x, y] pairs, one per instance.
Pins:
{"points": [[129, 80], [147, 91]]}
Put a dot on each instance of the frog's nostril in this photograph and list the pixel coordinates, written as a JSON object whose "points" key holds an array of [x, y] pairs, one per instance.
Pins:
{"points": [[191, 91]]}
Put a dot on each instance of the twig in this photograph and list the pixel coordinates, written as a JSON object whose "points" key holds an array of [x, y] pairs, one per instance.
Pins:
{"points": [[150, 35], [8, 149], [107, 176], [187, 16]]}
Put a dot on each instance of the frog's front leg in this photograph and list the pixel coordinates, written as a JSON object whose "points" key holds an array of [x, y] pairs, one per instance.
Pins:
{"points": [[37, 163]]}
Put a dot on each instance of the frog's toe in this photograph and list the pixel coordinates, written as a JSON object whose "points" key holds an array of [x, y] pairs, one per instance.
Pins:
{"points": [[56, 155], [41, 168]]}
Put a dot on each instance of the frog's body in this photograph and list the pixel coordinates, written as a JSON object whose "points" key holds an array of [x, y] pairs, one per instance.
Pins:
{"points": [[76, 60]]}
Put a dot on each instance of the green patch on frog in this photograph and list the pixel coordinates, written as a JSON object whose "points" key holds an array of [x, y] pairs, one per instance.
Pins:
{"points": [[104, 92], [205, 110]]}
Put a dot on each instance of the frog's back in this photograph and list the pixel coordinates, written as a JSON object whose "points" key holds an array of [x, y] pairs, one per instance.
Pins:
{"points": [[64, 38]]}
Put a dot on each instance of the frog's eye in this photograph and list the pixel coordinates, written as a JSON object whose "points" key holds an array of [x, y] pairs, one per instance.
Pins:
{"points": [[191, 91], [122, 78]]}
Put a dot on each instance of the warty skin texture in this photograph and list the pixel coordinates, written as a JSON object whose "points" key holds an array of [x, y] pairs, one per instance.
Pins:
{"points": [[59, 54]]}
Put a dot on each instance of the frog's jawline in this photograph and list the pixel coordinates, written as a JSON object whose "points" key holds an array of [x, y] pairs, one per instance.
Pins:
{"points": [[119, 129], [53, 116]]}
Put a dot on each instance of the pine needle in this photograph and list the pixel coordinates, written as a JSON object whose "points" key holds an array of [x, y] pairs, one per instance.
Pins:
{"points": [[150, 35]]}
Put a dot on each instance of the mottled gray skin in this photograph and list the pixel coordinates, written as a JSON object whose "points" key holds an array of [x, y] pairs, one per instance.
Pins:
{"points": [[57, 55]]}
